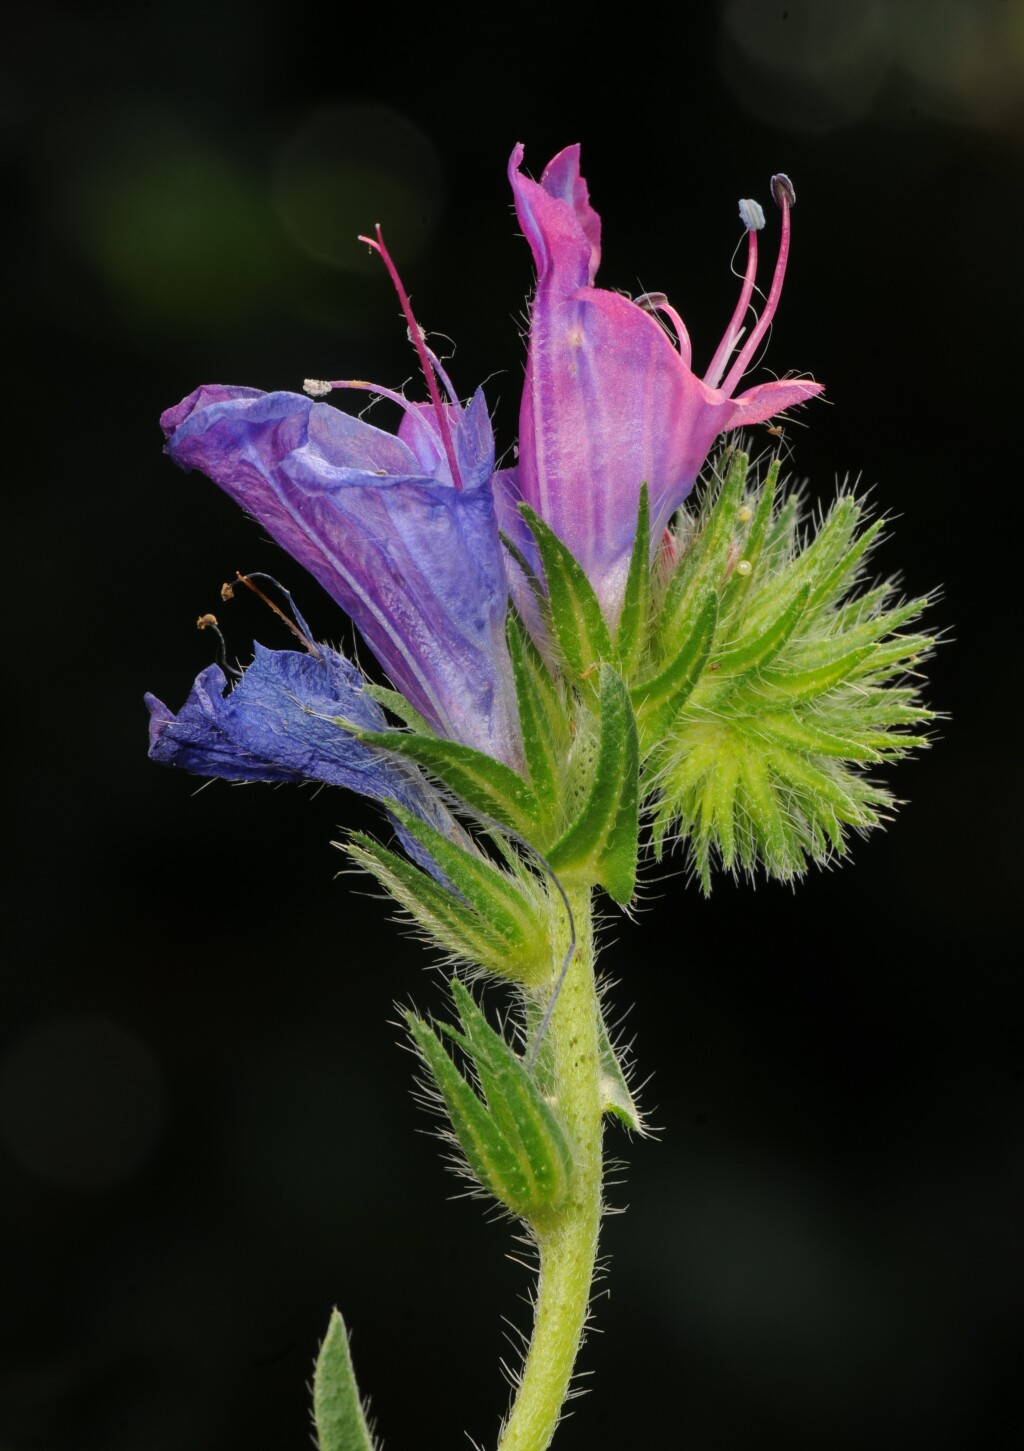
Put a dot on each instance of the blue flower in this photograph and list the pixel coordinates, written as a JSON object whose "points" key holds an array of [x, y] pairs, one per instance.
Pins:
{"points": [[400, 531], [284, 721]]}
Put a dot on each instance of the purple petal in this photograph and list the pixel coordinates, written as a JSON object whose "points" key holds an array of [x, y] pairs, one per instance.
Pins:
{"points": [[415, 563], [282, 722]]}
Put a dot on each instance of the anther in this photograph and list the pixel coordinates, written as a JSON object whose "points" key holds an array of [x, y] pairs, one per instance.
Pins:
{"points": [[209, 622], [751, 214], [783, 190], [785, 196]]}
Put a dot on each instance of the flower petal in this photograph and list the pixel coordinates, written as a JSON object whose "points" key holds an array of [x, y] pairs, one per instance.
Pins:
{"points": [[282, 722], [609, 402], [415, 563]]}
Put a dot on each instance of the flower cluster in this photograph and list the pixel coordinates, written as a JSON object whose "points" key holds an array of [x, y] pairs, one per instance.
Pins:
{"points": [[421, 541]]}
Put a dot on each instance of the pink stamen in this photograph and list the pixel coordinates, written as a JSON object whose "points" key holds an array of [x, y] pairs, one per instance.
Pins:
{"points": [[416, 334], [657, 302], [782, 191], [735, 330]]}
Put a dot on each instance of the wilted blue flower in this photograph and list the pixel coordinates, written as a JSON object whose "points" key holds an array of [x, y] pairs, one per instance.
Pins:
{"points": [[282, 722]]}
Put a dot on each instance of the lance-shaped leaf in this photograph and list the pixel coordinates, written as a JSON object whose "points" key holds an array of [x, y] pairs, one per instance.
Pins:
{"points": [[543, 722], [492, 920], [340, 1420], [660, 697], [574, 612], [753, 653], [396, 703], [752, 547], [518, 1106], [488, 787], [497, 920], [601, 844], [513, 1143], [703, 566]]}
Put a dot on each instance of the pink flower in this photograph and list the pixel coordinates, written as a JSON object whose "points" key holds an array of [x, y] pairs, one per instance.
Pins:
{"points": [[610, 400]]}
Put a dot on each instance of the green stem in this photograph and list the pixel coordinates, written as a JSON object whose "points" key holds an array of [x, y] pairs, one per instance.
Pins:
{"points": [[567, 1239]]}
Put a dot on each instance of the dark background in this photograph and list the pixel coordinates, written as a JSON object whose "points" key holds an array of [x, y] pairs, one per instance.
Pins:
{"points": [[206, 1131]]}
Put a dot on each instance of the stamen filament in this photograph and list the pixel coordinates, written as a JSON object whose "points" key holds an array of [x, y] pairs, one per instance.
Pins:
{"points": [[782, 190], [417, 341], [735, 330], [658, 302]]}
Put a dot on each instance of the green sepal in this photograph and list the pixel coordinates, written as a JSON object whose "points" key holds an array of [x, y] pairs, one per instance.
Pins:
{"points": [[490, 1158], [657, 699], [337, 1410], [573, 611], [512, 1141], [792, 687], [704, 565], [516, 1102], [496, 921], [631, 635], [488, 787], [601, 844], [616, 1098], [752, 548], [543, 722], [396, 703], [755, 653], [510, 909], [761, 764]]}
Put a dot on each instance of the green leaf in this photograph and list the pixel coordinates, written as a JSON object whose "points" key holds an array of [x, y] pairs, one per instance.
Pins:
{"points": [[511, 909], [601, 844], [574, 613], [454, 926], [703, 566], [631, 635], [615, 1095], [337, 1411], [490, 1157], [752, 547], [794, 686], [543, 721], [657, 699], [513, 1141], [397, 704], [487, 786], [756, 652], [520, 1110]]}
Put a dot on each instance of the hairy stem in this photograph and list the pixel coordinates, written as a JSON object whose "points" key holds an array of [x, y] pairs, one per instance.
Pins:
{"points": [[567, 1239]]}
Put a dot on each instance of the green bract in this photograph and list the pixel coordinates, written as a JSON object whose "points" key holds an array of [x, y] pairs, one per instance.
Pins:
{"points": [[340, 1420], [804, 683], [513, 1143]]}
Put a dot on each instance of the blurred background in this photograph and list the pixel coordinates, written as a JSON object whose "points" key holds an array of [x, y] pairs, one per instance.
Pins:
{"points": [[206, 1132]]}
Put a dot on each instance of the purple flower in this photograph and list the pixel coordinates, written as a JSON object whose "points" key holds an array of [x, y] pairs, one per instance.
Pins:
{"points": [[282, 722], [400, 531], [609, 400]]}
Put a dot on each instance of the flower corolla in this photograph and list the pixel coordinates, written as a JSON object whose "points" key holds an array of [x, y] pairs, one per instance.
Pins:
{"points": [[610, 401]]}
